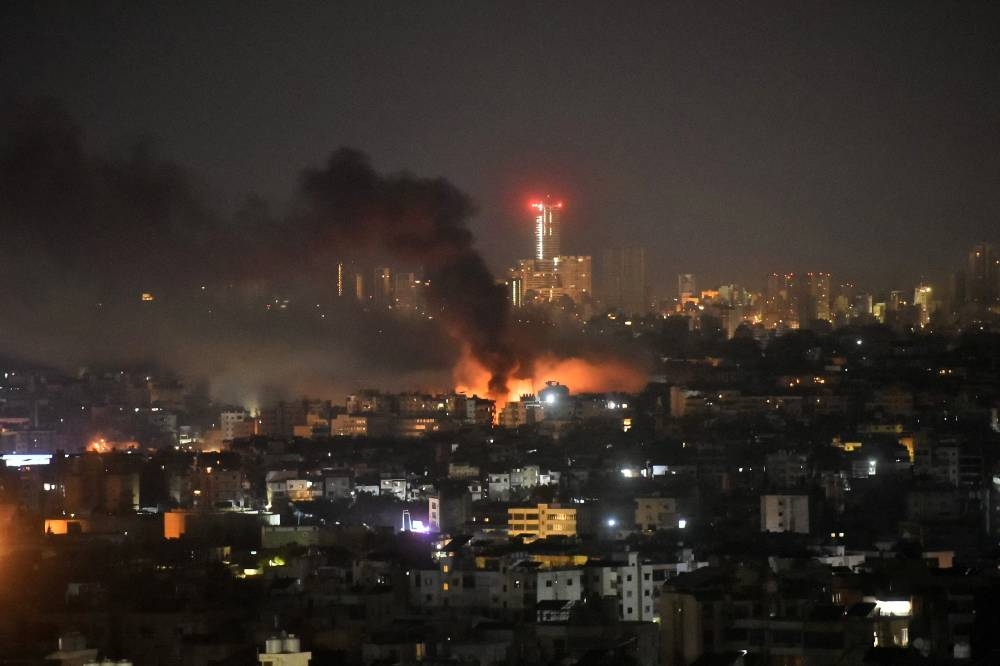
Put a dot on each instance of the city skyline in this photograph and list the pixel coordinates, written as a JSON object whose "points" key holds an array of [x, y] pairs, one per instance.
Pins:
{"points": [[871, 142], [523, 333]]}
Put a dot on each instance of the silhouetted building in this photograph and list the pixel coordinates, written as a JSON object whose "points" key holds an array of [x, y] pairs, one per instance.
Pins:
{"points": [[981, 282], [623, 280], [796, 300]]}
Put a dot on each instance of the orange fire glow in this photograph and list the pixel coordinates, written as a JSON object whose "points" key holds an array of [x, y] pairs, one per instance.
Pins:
{"points": [[102, 445], [579, 375], [99, 445]]}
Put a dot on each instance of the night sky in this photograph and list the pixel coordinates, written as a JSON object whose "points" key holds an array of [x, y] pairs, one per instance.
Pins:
{"points": [[731, 139]]}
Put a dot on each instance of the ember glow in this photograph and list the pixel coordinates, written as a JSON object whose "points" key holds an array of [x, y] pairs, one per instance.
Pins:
{"points": [[102, 445], [99, 445], [580, 375]]}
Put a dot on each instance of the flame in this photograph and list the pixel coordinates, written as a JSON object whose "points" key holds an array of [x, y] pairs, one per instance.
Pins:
{"points": [[102, 445], [99, 445], [580, 375]]}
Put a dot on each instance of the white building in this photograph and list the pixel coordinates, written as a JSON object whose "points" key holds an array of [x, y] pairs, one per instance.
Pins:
{"points": [[560, 585], [524, 477], [784, 513], [498, 486], [634, 584], [394, 485]]}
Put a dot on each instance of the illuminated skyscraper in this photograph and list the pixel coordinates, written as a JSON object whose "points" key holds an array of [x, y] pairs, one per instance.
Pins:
{"points": [[351, 281], [547, 229], [515, 291], [549, 275], [923, 299]]}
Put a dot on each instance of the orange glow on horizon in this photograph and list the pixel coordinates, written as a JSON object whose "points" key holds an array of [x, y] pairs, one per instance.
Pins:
{"points": [[101, 445], [578, 374]]}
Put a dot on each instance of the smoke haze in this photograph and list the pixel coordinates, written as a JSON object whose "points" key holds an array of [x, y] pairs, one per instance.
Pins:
{"points": [[246, 302]]}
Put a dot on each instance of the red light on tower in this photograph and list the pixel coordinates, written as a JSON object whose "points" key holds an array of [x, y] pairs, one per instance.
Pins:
{"points": [[540, 205]]}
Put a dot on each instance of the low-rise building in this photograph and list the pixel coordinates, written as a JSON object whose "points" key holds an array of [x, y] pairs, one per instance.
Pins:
{"points": [[541, 521]]}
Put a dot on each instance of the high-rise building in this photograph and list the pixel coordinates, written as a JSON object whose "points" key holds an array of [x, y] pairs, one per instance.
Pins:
{"points": [[351, 281], [547, 280], [549, 275], [547, 229], [813, 298], [686, 286], [863, 304], [897, 300], [574, 277], [623, 280], [359, 286], [383, 286], [538, 278], [776, 301], [406, 291], [515, 291], [982, 281], [923, 296], [878, 311], [796, 300]]}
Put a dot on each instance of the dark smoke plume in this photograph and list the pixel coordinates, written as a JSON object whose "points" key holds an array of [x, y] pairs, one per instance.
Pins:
{"points": [[83, 236], [419, 220]]}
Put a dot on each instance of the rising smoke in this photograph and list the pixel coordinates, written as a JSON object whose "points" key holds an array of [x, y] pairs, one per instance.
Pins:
{"points": [[419, 220], [84, 236]]}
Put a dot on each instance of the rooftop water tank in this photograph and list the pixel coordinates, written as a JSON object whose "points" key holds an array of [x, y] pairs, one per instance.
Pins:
{"points": [[293, 644]]}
